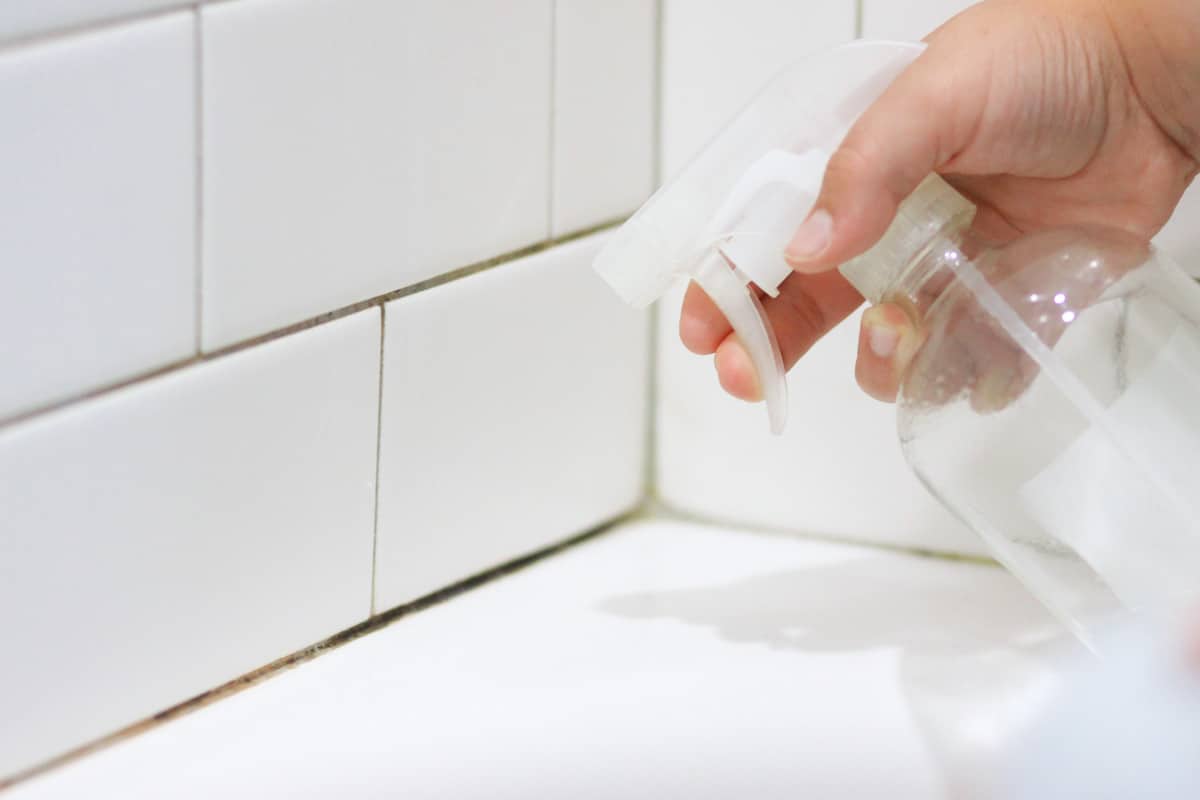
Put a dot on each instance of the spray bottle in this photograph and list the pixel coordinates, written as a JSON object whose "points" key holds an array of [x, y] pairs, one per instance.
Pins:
{"points": [[1054, 404]]}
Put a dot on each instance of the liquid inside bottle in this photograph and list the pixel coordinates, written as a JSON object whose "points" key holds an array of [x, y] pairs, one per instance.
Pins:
{"points": [[1054, 406]]}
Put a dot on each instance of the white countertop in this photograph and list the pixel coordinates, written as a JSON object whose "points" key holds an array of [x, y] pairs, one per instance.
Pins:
{"points": [[661, 659]]}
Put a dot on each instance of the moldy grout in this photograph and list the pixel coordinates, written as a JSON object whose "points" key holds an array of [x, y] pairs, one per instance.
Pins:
{"points": [[292, 660]]}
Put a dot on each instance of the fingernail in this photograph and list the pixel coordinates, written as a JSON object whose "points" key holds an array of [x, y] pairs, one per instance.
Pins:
{"points": [[812, 238], [882, 340]]}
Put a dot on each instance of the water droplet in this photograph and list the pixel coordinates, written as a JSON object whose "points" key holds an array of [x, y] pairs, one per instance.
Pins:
{"points": [[1060, 298]]}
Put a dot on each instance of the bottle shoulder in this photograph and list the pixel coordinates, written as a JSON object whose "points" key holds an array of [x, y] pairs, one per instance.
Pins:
{"points": [[1044, 283]]}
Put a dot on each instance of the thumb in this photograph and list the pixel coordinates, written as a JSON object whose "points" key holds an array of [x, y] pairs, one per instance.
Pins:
{"points": [[898, 141]]}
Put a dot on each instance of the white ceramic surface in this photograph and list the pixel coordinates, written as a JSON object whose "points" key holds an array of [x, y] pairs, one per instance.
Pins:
{"points": [[513, 417], [604, 93], [908, 21], [717, 53], [661, 660], [1181, 237], [168, 537], [21, 18], [353, 148], [97, 209]]}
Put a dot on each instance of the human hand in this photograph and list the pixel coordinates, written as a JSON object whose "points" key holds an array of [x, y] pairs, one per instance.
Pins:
{"points": [[1044, 113]]}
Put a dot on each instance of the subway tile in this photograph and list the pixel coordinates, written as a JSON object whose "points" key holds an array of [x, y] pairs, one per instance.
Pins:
{"points": [[604, 74], [21, 18], [513, 417], [353, 148], [169, 536], [1181, 237], [97, 198], [837, 471], [907, 21], [717, 54]]}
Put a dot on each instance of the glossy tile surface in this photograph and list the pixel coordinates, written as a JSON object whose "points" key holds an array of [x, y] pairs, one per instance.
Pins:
{"points": [[356, 147], [908, 21], [513, 417], [1181, 237], [97, 209], [168, 537], [717, 54], [661, 660], [22, 18], [604, 93]]}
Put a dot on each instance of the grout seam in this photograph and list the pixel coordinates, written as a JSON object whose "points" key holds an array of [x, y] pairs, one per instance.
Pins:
{"points": [[311, 322], [378, 457], [198, 232], [650, 478], [664, 510], [279, 665], [858, 19], [102, 25], [551, 138]]}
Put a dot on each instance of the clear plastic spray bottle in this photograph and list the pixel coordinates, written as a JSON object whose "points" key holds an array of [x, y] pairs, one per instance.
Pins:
{"points": [[1054, 403]]}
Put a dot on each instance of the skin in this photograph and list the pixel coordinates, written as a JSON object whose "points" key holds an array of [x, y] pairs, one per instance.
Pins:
{"points": [[1045, 113]]}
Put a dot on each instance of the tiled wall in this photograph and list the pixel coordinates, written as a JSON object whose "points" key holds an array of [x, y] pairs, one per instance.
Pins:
{"points": [[299, 324], [838, 470], [244, 405]]}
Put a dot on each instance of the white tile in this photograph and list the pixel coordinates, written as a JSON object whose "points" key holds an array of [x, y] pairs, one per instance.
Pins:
{"points": [[513, 411], [604, 75], [1181, 238], [97, 202], [837, 471], [717, 54], [907, 20], [662, 660], [356, 147], [172, 535], [20, 18]]}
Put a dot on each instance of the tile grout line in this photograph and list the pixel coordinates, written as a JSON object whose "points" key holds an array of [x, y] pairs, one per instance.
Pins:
{"points": [[102, 25], [198, 232], [551, 139], [378, 457], [280, 665], [656, 122], [650, 478], [663, 510], [303, 325], [858, 19]]}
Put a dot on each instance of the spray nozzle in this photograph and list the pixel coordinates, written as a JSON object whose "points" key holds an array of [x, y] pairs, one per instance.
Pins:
{"points": [[725, 220]]}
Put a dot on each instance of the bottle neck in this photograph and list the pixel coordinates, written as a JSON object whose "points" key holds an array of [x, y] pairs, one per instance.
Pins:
{"points": [[918, 249], [930, 270]]}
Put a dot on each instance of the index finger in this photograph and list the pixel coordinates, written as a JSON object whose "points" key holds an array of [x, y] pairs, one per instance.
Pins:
{"points": [[808, 307]]}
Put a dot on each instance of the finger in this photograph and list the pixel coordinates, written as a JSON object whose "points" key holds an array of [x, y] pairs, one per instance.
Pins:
{"points": [[808, 307], [702, 326], [887, 341], [909, 132]]}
